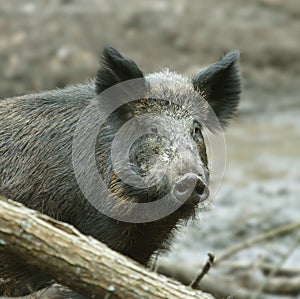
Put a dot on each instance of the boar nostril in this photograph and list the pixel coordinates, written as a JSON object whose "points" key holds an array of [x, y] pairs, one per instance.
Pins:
{"points": [[205, 194], [199, 188]]}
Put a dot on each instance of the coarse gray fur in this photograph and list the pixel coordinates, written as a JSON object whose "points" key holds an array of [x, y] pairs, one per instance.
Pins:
{"points": [[36, 169]]}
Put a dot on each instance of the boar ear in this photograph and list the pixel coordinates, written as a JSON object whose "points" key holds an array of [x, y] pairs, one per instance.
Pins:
{"points": [[115, 69], [220, 84]]}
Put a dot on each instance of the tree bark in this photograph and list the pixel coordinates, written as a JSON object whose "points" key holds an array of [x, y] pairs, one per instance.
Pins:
{"points": [[82, 263]]}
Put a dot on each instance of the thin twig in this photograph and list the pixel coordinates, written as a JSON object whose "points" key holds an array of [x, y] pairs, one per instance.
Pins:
{"points": [[209, 263], [153, 262], [266, 267], [262, 237], [293, 247]]}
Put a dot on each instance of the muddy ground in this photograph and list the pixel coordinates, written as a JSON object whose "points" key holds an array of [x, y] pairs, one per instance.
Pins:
{"points": [[46, 44]]}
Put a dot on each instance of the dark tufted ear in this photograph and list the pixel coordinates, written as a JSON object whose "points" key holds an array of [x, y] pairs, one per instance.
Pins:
{"points": [[115, 69], [220, 84]]}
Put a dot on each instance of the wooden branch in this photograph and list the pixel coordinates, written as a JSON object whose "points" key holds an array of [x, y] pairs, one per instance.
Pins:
{"points": [[220, 286], [82, 263], [223, 285], [209, 263]]}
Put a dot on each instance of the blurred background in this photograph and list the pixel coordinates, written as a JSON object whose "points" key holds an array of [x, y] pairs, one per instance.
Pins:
{"points": [[46, 44]]}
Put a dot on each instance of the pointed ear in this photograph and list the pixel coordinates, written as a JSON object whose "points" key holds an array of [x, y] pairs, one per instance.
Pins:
{"points": [[220, 84], [115, 69]]}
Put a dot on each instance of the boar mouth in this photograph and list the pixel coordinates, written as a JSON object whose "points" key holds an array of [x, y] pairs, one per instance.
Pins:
{"points": [[190, 189]]}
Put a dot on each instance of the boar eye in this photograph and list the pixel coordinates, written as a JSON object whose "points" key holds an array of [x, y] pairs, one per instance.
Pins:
{"points": [[197, 134]]}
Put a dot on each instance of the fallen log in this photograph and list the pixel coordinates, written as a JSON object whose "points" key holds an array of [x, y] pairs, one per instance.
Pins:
{"points": [[82, 263]]}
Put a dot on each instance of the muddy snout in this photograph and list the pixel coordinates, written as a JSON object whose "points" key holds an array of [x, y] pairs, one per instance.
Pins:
{"points": [[190, 189]]}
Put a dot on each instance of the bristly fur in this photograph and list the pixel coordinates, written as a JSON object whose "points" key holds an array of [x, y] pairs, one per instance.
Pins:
{"points": [[115, 69], [36, 166]]}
